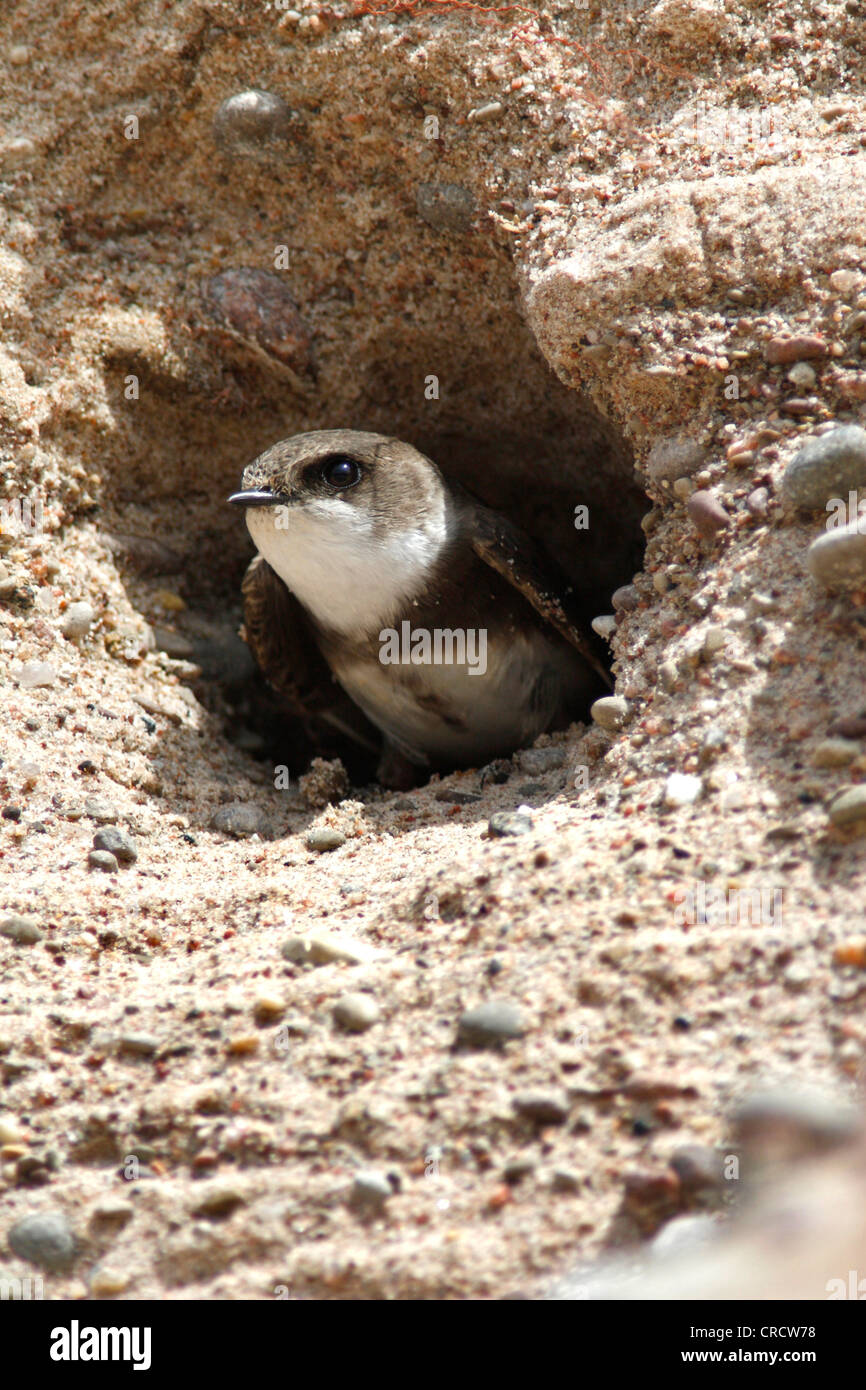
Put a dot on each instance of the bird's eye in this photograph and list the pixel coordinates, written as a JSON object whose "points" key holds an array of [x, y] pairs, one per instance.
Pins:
{"points": [[341, 472]]}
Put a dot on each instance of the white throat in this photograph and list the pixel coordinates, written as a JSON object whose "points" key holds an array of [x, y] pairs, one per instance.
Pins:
{"points": [[350, 578]]}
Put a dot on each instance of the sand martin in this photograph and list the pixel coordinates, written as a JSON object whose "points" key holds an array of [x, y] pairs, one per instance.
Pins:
{"points": [[433, 612]]}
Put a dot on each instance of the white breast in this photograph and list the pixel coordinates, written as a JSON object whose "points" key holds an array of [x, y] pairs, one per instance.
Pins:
{"points": [[351, 578]]}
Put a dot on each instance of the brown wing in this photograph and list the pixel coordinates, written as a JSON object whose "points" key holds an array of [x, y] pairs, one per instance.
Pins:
{"points": [[278, 634], [509, 551]]}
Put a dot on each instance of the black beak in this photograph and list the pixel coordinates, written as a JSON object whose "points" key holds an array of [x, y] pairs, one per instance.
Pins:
{"points": [[256, 499]]}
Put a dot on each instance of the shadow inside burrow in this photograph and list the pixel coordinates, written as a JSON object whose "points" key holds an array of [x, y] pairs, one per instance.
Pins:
{"points": [[509, 432]]}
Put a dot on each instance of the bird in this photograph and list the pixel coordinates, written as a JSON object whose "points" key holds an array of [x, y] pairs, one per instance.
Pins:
{"points": [[435, 614]]}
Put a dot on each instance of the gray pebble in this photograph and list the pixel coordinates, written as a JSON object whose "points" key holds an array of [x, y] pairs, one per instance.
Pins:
{"points": [[674, 457], [116, 842], [542, 1107], [45, 1239], [516, 1169], [324, 838], [537, 760], [446, 206], [503, 823], [491, 1024], [77, 620], [101, 859], [788, 1120], [241, 819], [837, 559], [24, 931], [370, 1191], [849, 807], [610, 712], [356, 1012], [828, 466], [254, 124], [101, 811], [625, 599]]}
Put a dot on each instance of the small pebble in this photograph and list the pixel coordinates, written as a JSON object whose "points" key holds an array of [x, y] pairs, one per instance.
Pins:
{"points": [[780, 351], [218, 1200], [835, 752], [486, 112], [117, 842], [625, 599], [324, 948], [324, 838], [137, 1044], [45, 1239], [516, 1169], [503, 823], [491, 1024], [758, 502], [715, 640], [446, 206], [802, 375], [565, 1180], [849, 952], [542, 1107], [254, 124], [610, 712], [102, 860], [268, 1007], [105, 1282], [788, 1121], [36, 673], [837, 559], [829, 465], [356, 1012], [674, 457], [846, 281], [100, 811], [605, 625], [240, 819], [370, 1191], [77, 620], [24, 931], [537, 760], [243, 1045], [682, 789], [849, 807], [707, 513], [257, 306], [849, 726]]}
